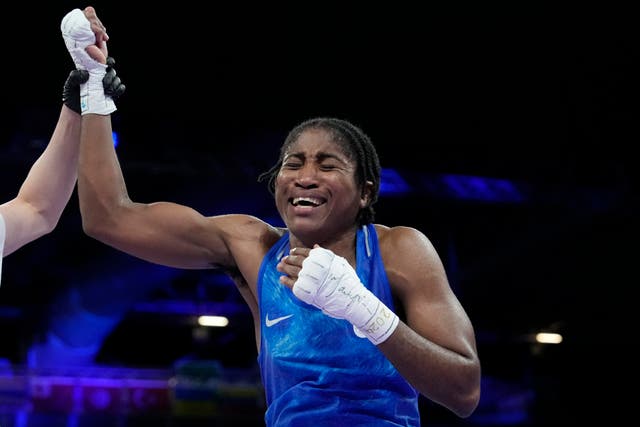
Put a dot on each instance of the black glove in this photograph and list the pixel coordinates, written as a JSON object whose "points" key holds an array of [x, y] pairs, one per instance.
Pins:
{"points": [[71, 90], [112, 84]]}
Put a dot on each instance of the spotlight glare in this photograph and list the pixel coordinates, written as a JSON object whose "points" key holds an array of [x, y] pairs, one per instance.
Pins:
{"points": [[548, 338], [214, 321]]}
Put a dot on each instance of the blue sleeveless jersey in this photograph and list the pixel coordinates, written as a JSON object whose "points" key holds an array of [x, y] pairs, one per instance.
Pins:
{"points": [[315, 369]]}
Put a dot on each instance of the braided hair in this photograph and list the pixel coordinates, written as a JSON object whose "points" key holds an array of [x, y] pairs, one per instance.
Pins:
{"points": [[354, 142]]}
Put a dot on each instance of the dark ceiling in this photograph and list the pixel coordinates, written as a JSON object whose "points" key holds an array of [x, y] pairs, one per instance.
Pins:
{"points": [[544, 103]]}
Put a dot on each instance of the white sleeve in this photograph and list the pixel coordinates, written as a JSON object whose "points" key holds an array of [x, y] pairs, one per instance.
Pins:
{"points": [[2, 234]]}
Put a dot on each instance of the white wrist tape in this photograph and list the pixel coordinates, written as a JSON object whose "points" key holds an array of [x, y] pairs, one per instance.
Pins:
{"points": [[328, 282], [92, 97], [77, 35]]}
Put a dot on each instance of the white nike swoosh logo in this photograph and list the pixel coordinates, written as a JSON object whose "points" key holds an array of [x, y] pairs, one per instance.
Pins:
{"points": [[271, 322]]}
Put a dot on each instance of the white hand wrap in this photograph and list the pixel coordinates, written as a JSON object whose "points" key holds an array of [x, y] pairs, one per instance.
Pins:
{"points": [[77, 35], [328, 282]]}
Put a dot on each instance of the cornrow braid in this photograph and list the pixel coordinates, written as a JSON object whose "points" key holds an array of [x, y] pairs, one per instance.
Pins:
{"points": [[354, 142]]}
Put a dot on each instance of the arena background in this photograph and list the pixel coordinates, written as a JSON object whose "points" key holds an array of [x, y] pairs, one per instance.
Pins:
{"points": [[507, 134]]}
